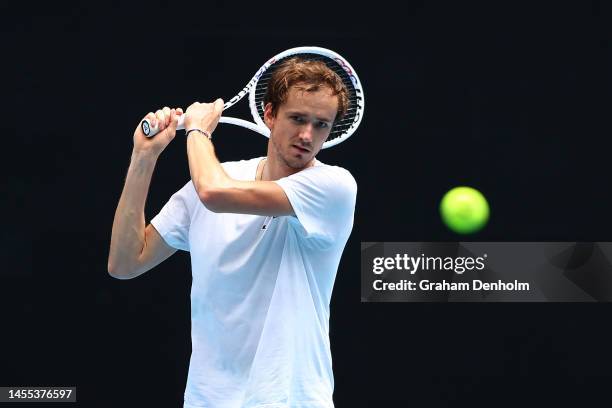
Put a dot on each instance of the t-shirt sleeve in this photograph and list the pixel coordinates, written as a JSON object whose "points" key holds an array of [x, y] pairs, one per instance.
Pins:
{"points": [[323, 199], [174, 219]]}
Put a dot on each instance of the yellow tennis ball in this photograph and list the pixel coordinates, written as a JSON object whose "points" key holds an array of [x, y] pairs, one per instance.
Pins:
{"points": [[464, 210]]}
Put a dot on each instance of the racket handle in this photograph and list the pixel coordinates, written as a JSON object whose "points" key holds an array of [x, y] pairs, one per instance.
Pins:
{"points": [[150, 131]]}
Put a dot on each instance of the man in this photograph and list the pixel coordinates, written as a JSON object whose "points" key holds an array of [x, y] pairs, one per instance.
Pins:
{"points": [[265, 237]]}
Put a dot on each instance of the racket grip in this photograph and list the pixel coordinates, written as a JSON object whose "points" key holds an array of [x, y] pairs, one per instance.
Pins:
{"points": [[150, 131]]}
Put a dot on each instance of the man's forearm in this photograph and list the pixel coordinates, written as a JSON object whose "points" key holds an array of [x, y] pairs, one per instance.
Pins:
{"points": [[207, 174], [222, 194], [128, 234]]}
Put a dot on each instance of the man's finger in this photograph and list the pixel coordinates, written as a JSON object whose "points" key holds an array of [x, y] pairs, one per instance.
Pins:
{"points": [[152, 118], [219, 105], [161, 119], [166, 111], [173, 123]]}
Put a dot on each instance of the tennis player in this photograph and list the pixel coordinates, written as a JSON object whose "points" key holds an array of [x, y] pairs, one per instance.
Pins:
{"points": [[265, 237]]}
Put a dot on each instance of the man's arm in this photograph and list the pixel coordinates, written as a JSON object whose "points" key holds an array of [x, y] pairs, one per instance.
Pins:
{"points": [[219, 192], [135, 249]]}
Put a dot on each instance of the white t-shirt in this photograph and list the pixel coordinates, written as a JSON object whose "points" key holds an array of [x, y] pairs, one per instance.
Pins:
{"points": [[261, 290]]}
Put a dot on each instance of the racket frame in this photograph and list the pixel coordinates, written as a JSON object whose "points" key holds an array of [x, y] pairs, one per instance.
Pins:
{"points": [[259, 126]]}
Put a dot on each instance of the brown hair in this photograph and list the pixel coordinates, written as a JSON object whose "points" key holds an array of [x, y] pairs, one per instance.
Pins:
{"points": [[314, 74]]}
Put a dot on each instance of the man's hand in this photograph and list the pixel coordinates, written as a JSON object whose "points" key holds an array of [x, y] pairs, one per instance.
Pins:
{"points": [[167, 119], [203, 116]]}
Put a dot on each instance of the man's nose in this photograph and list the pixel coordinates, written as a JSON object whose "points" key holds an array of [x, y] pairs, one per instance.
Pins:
{"points": [[306, 133]]}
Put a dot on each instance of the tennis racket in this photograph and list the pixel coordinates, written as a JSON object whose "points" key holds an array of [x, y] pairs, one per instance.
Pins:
{"points": [[256, 89]]}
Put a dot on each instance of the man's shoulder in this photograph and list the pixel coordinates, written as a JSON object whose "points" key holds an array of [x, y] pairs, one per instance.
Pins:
{"points": [[323, 177], [335, 172]]}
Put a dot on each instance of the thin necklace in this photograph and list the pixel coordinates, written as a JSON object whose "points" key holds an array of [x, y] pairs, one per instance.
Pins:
{"points": [[262, 169]]}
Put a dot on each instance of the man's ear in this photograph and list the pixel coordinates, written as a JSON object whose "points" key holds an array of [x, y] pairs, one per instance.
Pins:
{"points": [[268, 116]]}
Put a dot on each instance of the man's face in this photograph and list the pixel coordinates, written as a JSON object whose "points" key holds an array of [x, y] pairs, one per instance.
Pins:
{"points": [[301, 125]]}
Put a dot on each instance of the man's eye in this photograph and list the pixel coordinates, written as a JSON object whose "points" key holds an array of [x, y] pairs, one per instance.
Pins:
{"points": [[297, 119], [323, 125]]}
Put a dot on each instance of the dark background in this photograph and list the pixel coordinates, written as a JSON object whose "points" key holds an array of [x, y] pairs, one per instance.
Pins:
{"points": [[510, 98]]}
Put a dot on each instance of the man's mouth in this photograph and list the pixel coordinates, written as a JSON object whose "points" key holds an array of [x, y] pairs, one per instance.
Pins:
{"points": [[302, 149]]}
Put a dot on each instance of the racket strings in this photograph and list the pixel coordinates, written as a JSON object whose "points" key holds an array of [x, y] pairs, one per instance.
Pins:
{"points": [[340, 127]]}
